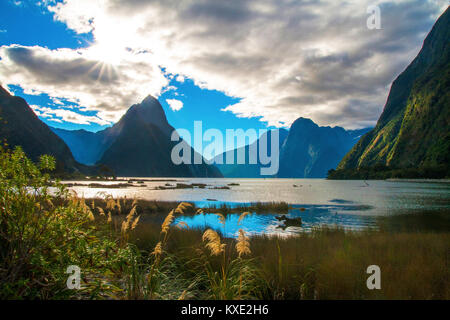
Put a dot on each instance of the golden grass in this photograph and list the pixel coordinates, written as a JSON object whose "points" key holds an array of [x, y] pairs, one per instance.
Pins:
{"points": [[213, 242], [328, 263], [242, 244]]}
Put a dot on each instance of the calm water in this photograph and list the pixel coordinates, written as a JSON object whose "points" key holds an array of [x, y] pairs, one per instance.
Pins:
{"points": [[348, 204]]}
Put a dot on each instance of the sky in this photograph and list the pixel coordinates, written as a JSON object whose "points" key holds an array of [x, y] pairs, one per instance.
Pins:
{"points": [[230, 63]]}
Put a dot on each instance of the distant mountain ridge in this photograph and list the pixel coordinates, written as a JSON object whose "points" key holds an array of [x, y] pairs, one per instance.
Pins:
{"points": [[247, 170], [309, 150], [139, 144], [413, 130], [305, 151], [86, 146]]}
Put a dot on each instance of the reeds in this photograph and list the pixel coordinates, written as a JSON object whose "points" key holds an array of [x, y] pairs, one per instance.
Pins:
{"points": [[242, 244], [213, 242]]}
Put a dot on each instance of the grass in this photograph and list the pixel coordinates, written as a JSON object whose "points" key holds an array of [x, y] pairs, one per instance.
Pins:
{"points": [[130, 249], [332, 263], [257, 207]]}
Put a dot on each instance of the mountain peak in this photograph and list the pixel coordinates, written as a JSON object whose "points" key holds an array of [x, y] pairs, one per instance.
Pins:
{"points": [[149, 100], [149, 111], [303, 122], [4, 92]]}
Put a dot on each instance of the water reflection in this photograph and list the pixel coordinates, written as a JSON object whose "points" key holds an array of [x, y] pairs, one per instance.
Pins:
{"points": [[267, 223]]}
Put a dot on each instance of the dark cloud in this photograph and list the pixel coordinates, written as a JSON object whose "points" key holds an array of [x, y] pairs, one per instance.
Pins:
{"points": [[284, 58]]}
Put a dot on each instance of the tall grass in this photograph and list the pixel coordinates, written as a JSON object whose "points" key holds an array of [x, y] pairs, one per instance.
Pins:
{"points": [[124, 253], [328, 263]]}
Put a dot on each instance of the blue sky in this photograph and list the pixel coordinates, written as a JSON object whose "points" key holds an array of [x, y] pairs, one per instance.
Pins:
{"points": [[231, 64], [29, 24]]}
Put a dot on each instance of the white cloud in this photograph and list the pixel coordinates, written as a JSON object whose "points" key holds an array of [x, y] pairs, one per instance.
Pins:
{"points": [[175, 104], [256, 50], [180, 78], [82, 77], [66, 115]]}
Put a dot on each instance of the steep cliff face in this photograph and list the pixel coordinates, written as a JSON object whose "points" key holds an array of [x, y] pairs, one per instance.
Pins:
{"points": [[310, 151], [413, 130], [248, 170], [20, 126]]}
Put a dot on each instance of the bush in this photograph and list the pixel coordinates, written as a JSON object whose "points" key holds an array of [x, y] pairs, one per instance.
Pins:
{"points": [[44, 229]]}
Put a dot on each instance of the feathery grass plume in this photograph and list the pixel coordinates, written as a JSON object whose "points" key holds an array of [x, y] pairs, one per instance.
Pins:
{"points": [[242, 216], [125, 225], [110, 203], [167, 222], [213, 242], [182, 225], [182, 207], [157, 251], [183, 295], [131, 213], [90, 215], [73, 197], [118, 204], [221, 218], [242, 245], [93, 205], [135, 222], [134, 203], [185, 204], [109, 217], [101, 211]]}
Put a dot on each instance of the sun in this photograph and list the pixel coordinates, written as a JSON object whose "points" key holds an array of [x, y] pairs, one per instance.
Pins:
{"points": [[108, 54]]}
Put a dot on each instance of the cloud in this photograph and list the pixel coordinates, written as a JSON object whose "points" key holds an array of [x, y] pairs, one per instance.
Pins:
{"points": [[284, 59], [59, 115], [175, 104], [82, 77], [180, 78]]}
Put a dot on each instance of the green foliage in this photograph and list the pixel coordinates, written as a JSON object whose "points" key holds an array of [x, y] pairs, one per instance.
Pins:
{"points": [[44, 229], [382, 172], [412, 136]]}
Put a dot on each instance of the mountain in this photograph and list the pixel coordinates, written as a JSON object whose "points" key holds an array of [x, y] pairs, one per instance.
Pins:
{"points": [[20, 126], [86, 146], [247, 170], [309, 150], [306, 151], [413, 130], [138, 145]]}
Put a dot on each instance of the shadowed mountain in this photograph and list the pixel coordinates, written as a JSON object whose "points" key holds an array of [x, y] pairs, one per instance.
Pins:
{"points": [[86, 146], [138, 145], [413, 130], [20, 126], [247, 170], [309, 151]]}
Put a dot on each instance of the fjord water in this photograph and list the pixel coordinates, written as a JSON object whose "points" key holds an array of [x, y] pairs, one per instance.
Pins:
{"points": [[351, 204]]}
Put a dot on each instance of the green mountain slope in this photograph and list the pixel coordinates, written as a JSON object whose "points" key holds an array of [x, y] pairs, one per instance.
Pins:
{"points": [[413, 130]]}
